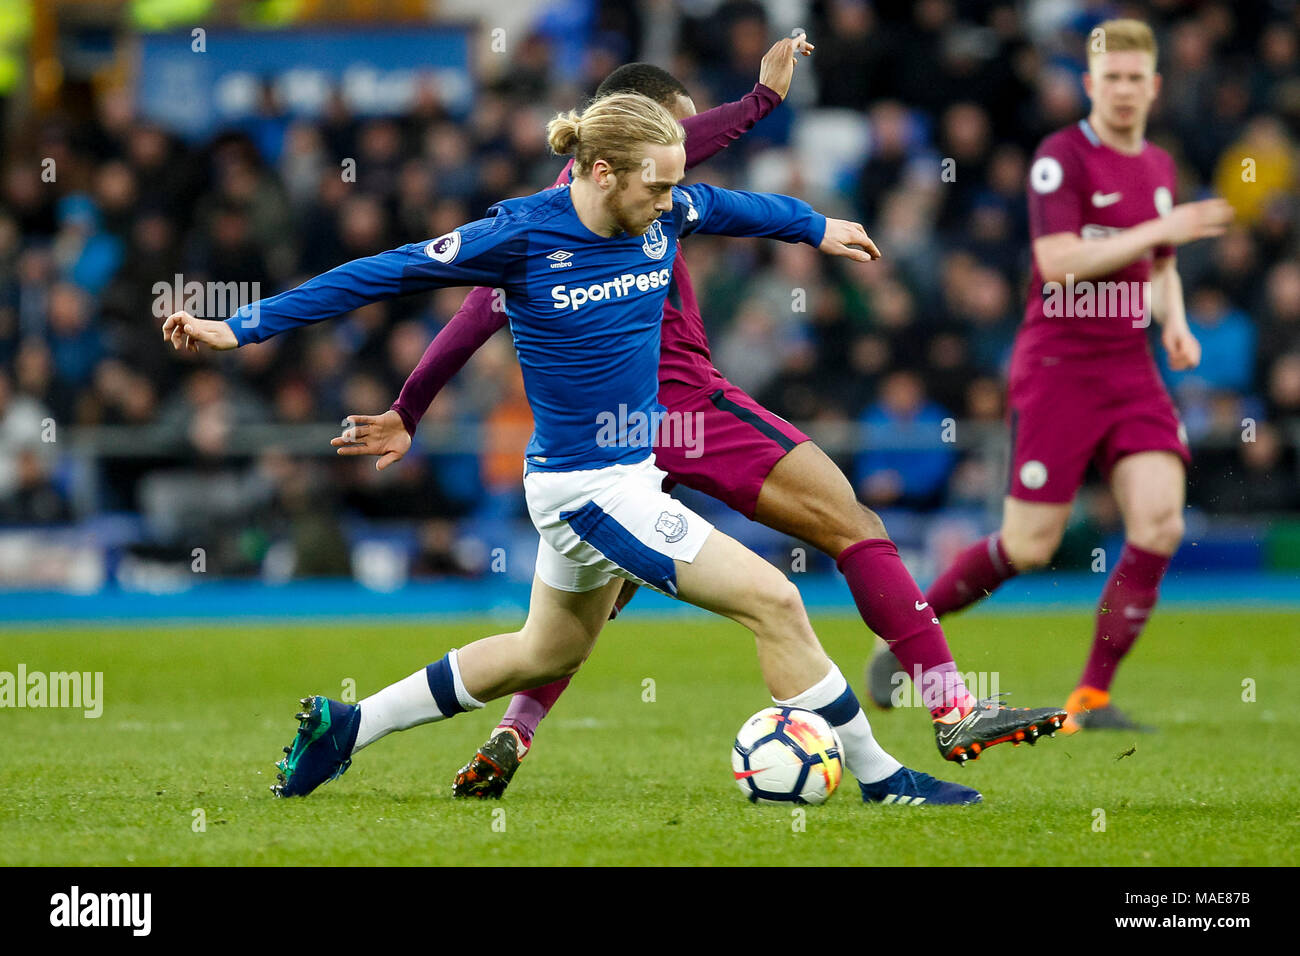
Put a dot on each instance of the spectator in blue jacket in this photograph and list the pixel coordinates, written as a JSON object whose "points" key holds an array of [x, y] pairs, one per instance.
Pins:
{"points": [[1227, 338], [914, 472], [85, 253]]}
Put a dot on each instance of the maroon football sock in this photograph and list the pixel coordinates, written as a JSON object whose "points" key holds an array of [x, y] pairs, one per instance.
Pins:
{"points": [[892, 606], [1126, 603], [976, 573], [528, 707]]}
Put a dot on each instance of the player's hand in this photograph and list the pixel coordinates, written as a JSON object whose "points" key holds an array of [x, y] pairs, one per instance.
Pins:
{"points": [[1190, 221], [1181, 346], [186, 332], [848, 239], [624, 595], [777, 68], [383, 435]]}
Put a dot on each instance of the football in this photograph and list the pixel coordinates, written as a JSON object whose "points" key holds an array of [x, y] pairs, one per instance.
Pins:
{"points": [[787, 755]]}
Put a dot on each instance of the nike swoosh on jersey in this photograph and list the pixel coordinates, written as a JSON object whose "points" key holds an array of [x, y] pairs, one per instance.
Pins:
{"points": [[1101, 200]]}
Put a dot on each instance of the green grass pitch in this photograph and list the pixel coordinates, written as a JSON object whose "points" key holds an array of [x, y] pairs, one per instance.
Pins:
{"points": [[194, 717]]}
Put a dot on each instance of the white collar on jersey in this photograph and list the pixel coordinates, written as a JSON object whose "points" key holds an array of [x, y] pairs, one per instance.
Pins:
{"points": [[1091, 134]]}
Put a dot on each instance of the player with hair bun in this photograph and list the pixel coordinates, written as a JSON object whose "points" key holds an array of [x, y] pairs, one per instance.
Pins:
{"points": [[754, 461], [588, 340]]}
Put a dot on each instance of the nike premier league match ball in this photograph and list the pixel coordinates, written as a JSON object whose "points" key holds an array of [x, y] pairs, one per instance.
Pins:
{"points": [[787, 755]]}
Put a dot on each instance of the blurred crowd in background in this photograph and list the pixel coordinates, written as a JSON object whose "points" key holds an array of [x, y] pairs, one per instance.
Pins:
{"points": [[893, 91]]}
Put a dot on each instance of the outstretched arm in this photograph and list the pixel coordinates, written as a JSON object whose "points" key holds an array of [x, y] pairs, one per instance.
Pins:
{"points": [[710, 132], [707, 133], [727, 212], [1064, 254], [472, 255]]}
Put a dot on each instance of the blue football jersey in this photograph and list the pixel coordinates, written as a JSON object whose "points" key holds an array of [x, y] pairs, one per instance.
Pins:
{"points": [[584, 309]]}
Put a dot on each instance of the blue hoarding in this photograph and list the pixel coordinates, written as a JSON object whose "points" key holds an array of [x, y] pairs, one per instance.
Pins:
{"points": [[196, 84]]}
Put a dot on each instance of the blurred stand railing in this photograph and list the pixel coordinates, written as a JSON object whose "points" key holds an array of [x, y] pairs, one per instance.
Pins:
{"points": [[264, 500], [981, 442], [839, 439], [835, 437]]}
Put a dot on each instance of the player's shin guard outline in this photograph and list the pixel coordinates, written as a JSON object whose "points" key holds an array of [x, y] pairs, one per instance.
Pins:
{"points": [[463, 697]]}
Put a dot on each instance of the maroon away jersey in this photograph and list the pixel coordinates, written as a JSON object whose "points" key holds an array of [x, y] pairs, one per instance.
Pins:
{"points": [[1080, 185]]}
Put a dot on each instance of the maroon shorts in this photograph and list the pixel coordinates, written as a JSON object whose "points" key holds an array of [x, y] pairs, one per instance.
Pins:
{"points": [[1065, 415], [718, 440]]}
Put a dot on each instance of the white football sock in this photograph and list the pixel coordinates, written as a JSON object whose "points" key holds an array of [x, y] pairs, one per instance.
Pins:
{"points": [[832, 698], [410, 702]]}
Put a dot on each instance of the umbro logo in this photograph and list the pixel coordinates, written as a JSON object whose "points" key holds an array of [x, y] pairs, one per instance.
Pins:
{"points": [[560, 259]]}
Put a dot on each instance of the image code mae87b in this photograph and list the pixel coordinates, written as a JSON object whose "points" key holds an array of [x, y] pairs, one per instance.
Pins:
{"points": [[579, 433]]}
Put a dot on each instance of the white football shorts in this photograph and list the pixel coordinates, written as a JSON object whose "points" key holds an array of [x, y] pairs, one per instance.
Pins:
{"points": [[611, 522]]}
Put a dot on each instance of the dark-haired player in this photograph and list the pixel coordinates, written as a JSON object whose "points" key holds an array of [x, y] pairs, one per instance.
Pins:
{"points": [[1083, 383]]}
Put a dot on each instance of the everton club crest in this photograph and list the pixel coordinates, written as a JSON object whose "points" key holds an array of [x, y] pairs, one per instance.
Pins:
{"points": [[655, 243], [672, 527]]}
